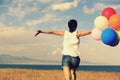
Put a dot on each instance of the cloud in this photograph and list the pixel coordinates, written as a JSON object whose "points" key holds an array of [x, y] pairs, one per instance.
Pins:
{"points": [[95, 8], [56, 51], [97, 52], [65, 6], [20, 8], [10, 49], [83, 1], [115, 6], [98, 7], [19, 12], [20, 41], [45, 1], [46, 18], [11, 31], [13, 39], [41, 20]]}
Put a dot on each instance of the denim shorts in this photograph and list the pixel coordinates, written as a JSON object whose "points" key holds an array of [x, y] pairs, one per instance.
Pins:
{"points": [[71, 62]]}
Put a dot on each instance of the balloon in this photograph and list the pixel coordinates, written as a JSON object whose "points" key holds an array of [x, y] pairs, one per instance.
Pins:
{"points": [[115, 43], [96, 33], [101, 22], [109, 36], [108, 12], [118, 34], [114, 21]]}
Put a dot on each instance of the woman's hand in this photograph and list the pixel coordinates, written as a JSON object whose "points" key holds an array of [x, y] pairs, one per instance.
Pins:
{"points": [[39, 31]]}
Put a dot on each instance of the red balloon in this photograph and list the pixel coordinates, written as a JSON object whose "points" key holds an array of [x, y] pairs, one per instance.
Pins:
{"points": [[114, 21], [108, 12]]}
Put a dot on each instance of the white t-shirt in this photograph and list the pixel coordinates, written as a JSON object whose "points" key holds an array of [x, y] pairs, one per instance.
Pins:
{"points": [[71, 44]]}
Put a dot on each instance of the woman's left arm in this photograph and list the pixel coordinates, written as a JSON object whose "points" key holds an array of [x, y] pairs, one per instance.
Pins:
{"points": [[84, 33]]}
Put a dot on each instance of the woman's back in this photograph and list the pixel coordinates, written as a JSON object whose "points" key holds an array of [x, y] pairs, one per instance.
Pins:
{"points": [[71, 44]]}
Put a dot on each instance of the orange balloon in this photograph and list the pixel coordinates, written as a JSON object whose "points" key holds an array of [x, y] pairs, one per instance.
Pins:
{"points": [[114, 21]]}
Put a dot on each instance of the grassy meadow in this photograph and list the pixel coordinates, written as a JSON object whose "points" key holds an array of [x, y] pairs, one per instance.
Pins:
{"points": [[28, 74]]}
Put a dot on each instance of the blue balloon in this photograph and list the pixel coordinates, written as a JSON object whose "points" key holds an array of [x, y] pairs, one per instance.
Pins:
{"points": [[115, 43], [109, 37]]}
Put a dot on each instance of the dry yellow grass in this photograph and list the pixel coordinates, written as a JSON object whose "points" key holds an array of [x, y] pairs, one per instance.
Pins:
{"points": [[26, 74]]}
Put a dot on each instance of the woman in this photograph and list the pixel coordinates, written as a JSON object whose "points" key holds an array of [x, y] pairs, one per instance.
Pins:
{"points": [[70, 58]]}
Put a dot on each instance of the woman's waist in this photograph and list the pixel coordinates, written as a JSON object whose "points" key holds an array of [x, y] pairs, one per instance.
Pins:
{"points": [[73, 53], [71, 48]]}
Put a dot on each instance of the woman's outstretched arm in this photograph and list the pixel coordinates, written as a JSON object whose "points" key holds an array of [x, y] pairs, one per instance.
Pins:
{"points": [[84, 33], [59, 33]]}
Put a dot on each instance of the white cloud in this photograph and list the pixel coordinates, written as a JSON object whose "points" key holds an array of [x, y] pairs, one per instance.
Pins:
{"points": [[20, 8], [20, 41], [115, 6], [64, 6], [13, 39], [1, 25], [98, 7], [19, 12], [11, 31], [99, 53], [56, 51], [45, 1], [11, 48], [41, 20], [83, 1], [46, 18]]}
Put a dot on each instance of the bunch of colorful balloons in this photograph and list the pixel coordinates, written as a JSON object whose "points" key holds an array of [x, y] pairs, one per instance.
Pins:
{"points": [[107, 27]]}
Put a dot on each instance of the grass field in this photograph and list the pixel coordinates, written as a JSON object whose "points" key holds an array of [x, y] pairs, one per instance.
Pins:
{"points": [[27, 74]]}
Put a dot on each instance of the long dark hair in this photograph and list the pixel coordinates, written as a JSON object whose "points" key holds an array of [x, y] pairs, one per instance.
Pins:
{"points": [[72, 24]]}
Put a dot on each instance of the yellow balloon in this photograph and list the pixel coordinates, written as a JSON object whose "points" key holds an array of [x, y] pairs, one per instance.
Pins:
{"points": [[101, 22], [118, 34]]}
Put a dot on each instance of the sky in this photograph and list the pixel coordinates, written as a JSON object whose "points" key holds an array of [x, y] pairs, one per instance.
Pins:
{"points": [[20, 19]]}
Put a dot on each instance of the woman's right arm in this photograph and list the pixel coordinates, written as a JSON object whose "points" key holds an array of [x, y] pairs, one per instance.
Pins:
{"points": [[59, 33]]}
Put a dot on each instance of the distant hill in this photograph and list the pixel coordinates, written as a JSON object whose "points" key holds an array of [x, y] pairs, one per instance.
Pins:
{"points": [[8, 59], [87, 63]]}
